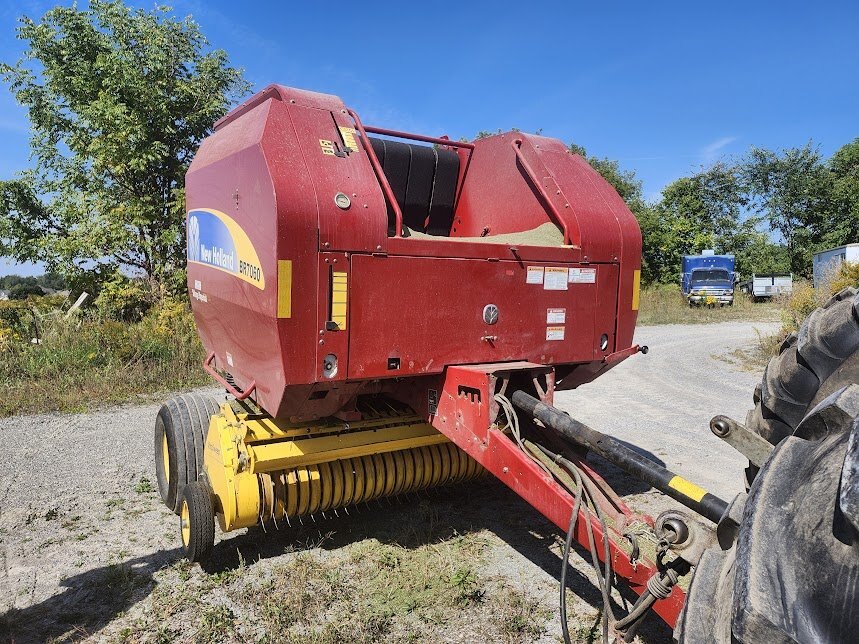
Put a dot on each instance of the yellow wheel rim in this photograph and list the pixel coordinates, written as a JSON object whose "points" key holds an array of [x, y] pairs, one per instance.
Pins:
{"points": [[185, 522], [165, 457]]}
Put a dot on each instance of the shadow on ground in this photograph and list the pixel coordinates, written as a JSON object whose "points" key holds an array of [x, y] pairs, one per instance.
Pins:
{"points": [[88, 602]]}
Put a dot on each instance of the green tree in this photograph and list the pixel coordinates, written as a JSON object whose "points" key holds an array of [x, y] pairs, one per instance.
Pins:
{"points": [[694, 213], [24, 290], [118, 101], [842, 223], [54, 281], [792, 191], [757, 253]]}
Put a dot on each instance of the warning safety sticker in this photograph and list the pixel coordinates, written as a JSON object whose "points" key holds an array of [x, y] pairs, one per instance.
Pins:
{"points": [[583, 275], [556, 316], [555, 279], [535, 275], [554, 333]]}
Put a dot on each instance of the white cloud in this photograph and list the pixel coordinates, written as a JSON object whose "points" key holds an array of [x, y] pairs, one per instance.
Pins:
{"points": [[709, 152]]}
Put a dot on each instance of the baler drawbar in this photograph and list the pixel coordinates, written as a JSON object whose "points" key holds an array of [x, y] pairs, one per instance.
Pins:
{"points": [[393, 316]]}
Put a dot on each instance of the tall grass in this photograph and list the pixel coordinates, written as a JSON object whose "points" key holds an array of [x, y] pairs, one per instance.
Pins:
{"points": [[50, 363], [665, 304]]}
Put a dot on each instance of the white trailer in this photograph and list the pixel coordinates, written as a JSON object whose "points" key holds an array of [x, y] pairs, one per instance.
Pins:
{"points": [[826, 262], [768, 285]]}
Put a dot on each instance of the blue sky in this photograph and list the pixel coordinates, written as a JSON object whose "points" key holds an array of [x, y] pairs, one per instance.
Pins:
{"points": [[662, 87]]}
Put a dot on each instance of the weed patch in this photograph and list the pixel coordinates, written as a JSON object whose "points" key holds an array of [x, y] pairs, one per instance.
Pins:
{"points": [[50, 363], [144, 486], [802, 301], [368, 591]]}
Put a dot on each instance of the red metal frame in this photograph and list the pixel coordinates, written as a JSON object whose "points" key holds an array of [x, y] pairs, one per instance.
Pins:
{"points": [[239, 395], [468, 419], [419, 137], [517, 147]]}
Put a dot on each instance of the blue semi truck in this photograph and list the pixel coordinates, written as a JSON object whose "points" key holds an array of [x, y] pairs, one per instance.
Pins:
{"points": [[708, 279]]}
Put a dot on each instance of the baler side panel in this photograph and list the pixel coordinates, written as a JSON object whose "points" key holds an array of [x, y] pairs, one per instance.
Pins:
{"points": [[297, 242], [496, 194], [229, 177], [609, 230], [362, 227], [605, 310], [428, 313]]}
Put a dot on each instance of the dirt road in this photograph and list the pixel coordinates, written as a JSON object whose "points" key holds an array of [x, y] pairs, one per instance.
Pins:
{"points": [[87, 551]]}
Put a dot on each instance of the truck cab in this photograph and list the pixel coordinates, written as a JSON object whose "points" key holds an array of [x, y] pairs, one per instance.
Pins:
{"points": [[708, 279]]}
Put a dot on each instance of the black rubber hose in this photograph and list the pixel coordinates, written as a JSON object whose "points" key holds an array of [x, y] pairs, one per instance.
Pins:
{"points": [[568, 544], [630, 461], [604, 578], [638, 610]]}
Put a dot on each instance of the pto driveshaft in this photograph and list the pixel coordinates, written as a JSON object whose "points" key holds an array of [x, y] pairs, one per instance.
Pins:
{"points": [[630, 461]]}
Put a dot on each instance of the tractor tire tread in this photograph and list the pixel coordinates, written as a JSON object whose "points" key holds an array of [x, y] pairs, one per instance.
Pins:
{"points": [[807, 358], [201, 409]]}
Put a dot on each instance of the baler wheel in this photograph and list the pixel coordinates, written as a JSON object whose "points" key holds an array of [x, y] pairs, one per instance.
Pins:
{"points": [[180, 438], [197, 521]]}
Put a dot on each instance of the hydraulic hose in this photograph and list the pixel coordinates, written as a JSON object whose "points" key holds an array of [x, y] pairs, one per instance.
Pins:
{"points": [[630, 461]]}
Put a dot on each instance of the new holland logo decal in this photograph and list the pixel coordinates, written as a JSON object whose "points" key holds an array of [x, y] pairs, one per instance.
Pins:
{"points": [[215, 239]]}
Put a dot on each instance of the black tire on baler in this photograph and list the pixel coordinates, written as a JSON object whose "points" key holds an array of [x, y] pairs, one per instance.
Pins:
{"points": [[196, 521], [811, 364], [183, 421]]}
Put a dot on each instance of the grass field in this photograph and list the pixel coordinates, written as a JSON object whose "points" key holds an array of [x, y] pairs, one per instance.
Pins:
{"points": [[664, 304], [50, 363], [366, 591]]}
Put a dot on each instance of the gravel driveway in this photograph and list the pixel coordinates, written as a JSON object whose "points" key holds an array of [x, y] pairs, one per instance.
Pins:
{"points": [[77, 497]]}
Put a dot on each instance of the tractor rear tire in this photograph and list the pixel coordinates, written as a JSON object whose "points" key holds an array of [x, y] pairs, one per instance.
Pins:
{"points": [[180, 437], [821, 358], [786, 567], [197, 521]]}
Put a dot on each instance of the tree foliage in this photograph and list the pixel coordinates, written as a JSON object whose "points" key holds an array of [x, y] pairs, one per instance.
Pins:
{"points": [[791, 191], [48, 280], [118, 101], [696, 212], [842, 223], [24, 290], [772, 209]]}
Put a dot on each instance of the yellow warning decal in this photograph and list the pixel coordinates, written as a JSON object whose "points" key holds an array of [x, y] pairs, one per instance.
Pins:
{"points": [[284, 288], [348, 135], [636, 289], [339, 288], [327, 146], [687, 488]]}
